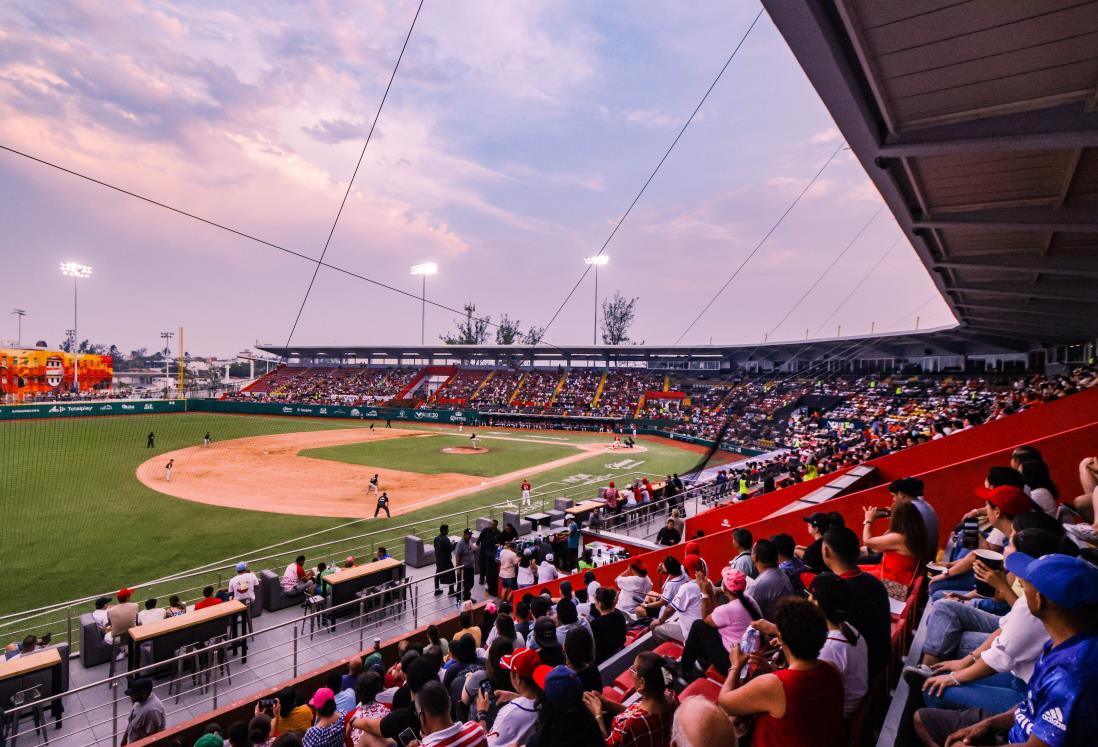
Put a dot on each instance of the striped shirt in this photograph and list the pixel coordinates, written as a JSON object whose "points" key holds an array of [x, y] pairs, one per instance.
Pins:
{"points": [[458, 734]]}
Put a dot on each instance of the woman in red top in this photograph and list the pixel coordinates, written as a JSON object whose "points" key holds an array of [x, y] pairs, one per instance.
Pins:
{"points": [[801, 706], [646, 723], [902, 547]]}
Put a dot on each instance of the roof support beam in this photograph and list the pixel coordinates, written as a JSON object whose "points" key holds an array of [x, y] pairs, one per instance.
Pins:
{"points": [[1019, 292], [1079, 219], [1060, 312], [1008, 321], [1049, 265], [1061, 127]]}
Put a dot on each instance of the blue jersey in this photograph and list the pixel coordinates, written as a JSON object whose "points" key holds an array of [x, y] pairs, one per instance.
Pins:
{"points": [[1061, 705]]}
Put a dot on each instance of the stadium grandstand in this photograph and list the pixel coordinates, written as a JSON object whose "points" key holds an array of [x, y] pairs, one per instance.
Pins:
{"points": [[883, 540]]}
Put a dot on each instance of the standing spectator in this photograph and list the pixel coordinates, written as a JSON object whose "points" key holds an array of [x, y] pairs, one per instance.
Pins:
{"points": [[527, 571], [801, 706], [668, 535], [608, 628], [645, 723], [771, 584], [486, 550], [465, 560], [573, 543], [508, 571], [121, 617], [742, 542], [677, 521], [611, 498], [869, 612], [444, 560], [147, 715], [296, 580], [242, 586]]}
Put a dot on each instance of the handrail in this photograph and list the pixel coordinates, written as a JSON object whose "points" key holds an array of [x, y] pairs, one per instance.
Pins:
{"points": [[214, 566]]}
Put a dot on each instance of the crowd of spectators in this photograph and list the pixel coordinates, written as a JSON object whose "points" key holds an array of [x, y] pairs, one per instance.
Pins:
{"points": [[577, 393]]}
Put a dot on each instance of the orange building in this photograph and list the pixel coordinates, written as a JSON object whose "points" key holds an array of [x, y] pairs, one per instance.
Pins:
{"points": [[27, 372]]}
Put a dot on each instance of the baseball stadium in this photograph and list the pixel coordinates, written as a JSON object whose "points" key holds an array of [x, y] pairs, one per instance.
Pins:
{"points": [[883, 538]]}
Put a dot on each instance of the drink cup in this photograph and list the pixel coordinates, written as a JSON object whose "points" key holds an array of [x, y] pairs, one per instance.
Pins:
{"points": [[993, 560]]}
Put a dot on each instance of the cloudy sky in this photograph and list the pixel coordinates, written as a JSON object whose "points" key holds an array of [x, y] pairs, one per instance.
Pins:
{"points": [[514, 137]]}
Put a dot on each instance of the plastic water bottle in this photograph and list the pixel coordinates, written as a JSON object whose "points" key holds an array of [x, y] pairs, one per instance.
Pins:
{"points": [[749, 642]]}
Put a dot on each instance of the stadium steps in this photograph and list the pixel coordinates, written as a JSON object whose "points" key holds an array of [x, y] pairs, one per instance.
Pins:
{"points": [[482, 384], [640, 405], [557, 390], [667, 382], [861, 477], [599, 390], [521, 381]]}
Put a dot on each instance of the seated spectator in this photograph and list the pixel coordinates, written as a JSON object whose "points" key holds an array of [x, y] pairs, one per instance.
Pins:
{"points": [[845, 647], [543, 638], [902, 547], [910, 490], [176, 606], [668, 536], [1042, 490], [151, 613], [368, 686], [291, 714], [721, 627], [699, 722], [568, 619], [382, 554], [504, 627], [818, 524], [586, 563], [437, 640], [383, 730], [653, 604], [583, 604], [259, 731], [498, 679], [634, 586], [438, 727], [516, 717], [147, 714], [327, 728], [675, 619], [992, 674], [742, 542], [609, 626], [464, 661], [579, 655], [789, 563], [646, 721], [121, 617], [344, 696], [296, 580], [547, 571], [801, 706], [242, 586], [869, 612], [590, 582], [1062, 592], [99, 616], [562, 717], [208, 599], [771, 585], [465, 620], [322, 572]]}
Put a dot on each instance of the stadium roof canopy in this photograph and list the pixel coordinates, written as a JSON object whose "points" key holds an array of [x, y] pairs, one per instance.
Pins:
{"points": [[943, 342], [977, 122]]}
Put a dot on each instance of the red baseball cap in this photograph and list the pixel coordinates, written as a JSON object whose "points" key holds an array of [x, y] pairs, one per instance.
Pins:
{"points": [[692, 548], [523, 662], [1010, 500], [541, 673], [693, 564], [124, 594]]}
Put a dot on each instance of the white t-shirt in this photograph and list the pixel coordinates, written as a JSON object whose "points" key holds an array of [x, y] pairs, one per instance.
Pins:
{"points": [[1045, 500], [633, 589], [100, 618], [242, 586], [546, 571], [852, 662], [513, 722], [508, 563], [592, 589], [1019, 643], [671, 587], [290, 578], [525, 576], [687, 606], [144, 617]]}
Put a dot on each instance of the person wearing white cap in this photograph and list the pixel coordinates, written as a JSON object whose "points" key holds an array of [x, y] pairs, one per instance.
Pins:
{"points": [[546, 570]]}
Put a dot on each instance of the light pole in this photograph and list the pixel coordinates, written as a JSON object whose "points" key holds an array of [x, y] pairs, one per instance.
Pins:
{"points": [[19, 314], [598, 261], [424, 269], [167, 338], [76, 271]]}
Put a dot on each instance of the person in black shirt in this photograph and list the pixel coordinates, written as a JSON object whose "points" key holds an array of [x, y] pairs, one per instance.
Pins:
{"points": [[869, 612], [609, 626], [579, 654], [818, 524], [486, 549], [383, 505], [668, 536], [444, 560]]}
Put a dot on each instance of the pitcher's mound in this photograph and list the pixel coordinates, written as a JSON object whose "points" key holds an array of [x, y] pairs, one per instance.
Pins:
{"points": [[464, 450]]}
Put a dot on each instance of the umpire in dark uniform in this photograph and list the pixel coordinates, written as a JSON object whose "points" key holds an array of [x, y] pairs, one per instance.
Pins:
{"points": [[444, 560]]}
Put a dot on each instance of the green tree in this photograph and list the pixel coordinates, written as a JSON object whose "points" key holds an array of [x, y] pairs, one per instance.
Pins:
{"points": [[617, 317]]}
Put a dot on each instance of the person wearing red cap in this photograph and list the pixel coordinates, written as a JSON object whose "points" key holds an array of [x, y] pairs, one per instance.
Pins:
{"points": [[610, 496], [685, 607], [517, 717], [121, 617]]}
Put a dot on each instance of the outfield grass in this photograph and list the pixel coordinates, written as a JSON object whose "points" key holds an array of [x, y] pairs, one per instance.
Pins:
{"points": [[424, 455], [76, 521]]}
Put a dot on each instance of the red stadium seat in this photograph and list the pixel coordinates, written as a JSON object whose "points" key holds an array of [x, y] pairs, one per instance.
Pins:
{"points": [[703, 687], [613, 694], [626, 682], [670, 649]]}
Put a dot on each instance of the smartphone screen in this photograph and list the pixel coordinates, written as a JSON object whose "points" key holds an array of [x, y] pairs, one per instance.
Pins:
{"points": [[407, 737]]}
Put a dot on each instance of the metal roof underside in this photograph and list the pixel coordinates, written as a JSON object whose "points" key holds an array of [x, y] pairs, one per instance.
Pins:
{"points": [[978, 123]]}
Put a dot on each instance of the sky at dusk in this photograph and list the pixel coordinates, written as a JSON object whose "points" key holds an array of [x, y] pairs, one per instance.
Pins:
{"points": [[515, 135]]}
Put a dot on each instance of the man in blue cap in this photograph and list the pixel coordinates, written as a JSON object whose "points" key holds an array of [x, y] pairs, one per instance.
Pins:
{"points": [[1061, 704]]}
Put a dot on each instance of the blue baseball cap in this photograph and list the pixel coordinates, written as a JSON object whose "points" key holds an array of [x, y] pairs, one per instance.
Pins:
{"points": [[241, 567], [1068, 582], [562, 688]]}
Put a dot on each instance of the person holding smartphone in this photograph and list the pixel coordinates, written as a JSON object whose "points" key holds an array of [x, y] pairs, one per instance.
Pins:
{"points": [[436, 725]]}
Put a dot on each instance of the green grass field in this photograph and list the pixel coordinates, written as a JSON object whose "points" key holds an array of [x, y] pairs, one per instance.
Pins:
{"points": [[425, 456], [77, 522]]}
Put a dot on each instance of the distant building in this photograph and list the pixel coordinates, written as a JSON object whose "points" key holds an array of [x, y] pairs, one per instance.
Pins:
{"points": [[32, 372]]}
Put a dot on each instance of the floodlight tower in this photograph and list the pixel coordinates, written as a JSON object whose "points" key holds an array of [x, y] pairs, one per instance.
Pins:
{"points": [[77, 272], [597, 261], [424, 269], [19, 314]]}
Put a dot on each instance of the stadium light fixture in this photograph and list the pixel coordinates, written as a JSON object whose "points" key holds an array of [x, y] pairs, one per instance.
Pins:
{"points": [[19, 314], [77, 272], [597, 261], [424, 269]]}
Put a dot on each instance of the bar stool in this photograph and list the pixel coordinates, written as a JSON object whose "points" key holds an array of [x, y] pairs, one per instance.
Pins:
{"points": [[17, 700], [216, 647], [313, 606], [180, 670]]}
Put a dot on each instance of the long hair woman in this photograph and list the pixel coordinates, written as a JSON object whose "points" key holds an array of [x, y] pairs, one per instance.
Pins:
{"points": [[902, 547]]}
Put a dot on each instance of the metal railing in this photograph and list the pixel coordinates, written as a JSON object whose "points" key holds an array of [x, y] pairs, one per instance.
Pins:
{"points": [[390, 608], [63, 616]]}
